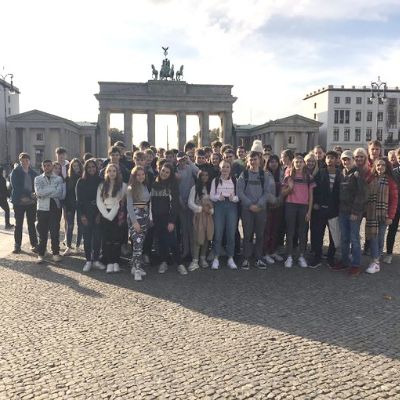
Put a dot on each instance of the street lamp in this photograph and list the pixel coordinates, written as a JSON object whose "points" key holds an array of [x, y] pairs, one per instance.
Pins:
{"points": [[378, 93], [10, 88]]}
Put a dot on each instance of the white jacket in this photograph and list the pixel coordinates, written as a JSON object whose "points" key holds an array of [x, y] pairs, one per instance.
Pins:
{"points": [[47, 188], [109, 206]]}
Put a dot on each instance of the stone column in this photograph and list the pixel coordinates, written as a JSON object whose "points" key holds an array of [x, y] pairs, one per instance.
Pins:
{"points": [[204, 122], [47, 142], [285, 140], [181, 116], [226, 123], [316, 137], [27, 143], [104, 128], [304, 142], [128, 130], [151, 127]]}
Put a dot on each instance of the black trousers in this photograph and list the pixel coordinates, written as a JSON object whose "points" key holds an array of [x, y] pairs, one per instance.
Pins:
{"points": [[4, 205], [319, 221], [49, 221], [112, 237], [392, 233], [19, 213]]}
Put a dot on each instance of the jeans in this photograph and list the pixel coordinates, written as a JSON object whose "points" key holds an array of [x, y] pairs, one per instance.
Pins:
{"points": [[376, 243], [70, 227], [19, 213], [91, 238], [253, 224], [350, 236], [225, 219], [49, 221], [295, 217], [392, 233]]}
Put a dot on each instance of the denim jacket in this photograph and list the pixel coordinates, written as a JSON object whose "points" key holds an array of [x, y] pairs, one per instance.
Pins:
{"points": [[47, 188]]}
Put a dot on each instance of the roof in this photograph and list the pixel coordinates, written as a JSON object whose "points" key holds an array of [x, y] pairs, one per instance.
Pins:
{"points": [[8, 86], [37, 115]]}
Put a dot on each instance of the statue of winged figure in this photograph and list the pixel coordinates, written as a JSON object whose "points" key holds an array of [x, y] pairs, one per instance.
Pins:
{"points": [[165, 50]]}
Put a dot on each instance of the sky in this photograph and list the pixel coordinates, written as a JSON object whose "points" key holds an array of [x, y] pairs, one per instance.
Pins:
{"points": [[274, 52]]}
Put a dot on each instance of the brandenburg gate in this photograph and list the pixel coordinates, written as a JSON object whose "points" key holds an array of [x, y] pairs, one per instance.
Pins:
{"points": [[167, 95]]}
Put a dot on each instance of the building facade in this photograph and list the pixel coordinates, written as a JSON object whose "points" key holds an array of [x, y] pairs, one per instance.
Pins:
{"points": [[294, 132], [350, 118], [39, 134]]}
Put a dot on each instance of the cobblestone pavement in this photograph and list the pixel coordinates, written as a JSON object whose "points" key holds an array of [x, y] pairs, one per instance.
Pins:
{"points": [[275, 334]]}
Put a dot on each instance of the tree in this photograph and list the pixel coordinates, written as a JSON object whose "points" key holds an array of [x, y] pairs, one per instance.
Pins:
{"points": [[213, 134], [115, 136]]}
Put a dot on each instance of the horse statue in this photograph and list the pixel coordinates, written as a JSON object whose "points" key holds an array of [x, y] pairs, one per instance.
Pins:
{"points": [[179, 73], [154, 72], [172, 72]]}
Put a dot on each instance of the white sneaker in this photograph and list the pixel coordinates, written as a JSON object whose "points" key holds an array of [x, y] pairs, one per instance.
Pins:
{"points": [[146, 259], [67, 251], [373, 268], [182, 270], [302, 262], [269, 259], [116, 267], [231, 263], [137, 275], [87, 266], [110, 268], [289, 262], [277, 257], [39, 260], [215, 264], [142, 271], [57, 258], [388, 259], [203, 262], [78, 249], [193, 266], [99, 265], [162, 269]]}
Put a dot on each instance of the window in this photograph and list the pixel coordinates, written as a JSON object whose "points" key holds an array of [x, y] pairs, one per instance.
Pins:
{"points": [[9, 111], [9, 99], [39, 153], [341, 116], [348, 100], [380, 116], [337, 100], [390, 137], [358, 115], [336, 116], [358, 100], [335, 134], [368, 136], [291, 139], [369, 116], [315, 105], [88, 144], [380, 99], [315, 116], [379, 134], [347, 117], [39, 137], [357, 135], [369, 101], [347, 134]]}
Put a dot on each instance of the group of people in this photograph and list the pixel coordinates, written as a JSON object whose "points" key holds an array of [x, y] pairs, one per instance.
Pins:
{"points": [[189, 204]]}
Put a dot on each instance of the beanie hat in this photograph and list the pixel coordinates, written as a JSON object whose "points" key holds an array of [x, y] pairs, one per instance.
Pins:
{"points": [[257, 146]]}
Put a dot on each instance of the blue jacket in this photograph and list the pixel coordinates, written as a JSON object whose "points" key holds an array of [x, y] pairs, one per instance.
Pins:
{"points": [[17, 184]]}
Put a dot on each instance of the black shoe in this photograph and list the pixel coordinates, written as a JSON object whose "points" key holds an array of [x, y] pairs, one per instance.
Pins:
{"points": [[261, 264], [315, 263], [17, 250], [9, 226], [245, 264]]}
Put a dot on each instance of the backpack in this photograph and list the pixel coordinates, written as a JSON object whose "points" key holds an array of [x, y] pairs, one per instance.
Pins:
{"points": [[246, 178]]}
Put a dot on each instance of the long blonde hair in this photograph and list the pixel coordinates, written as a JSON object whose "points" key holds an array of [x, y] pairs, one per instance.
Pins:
{"points": [[107, 182], [134, 186], [316, 168]]}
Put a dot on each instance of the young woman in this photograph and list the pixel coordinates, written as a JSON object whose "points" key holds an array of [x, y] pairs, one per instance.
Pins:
{"points": [[381, 209], [298, 188], [223, 195], [274, 214], [75, 170], [110, 202], [361, 160], [164, 209], [312, 164], [89, 214], [286, 159], [203, 225], [138, 199]]}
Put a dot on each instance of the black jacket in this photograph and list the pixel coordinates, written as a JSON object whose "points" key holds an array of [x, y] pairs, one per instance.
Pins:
{"points": [[323, 195], [86, 193], [164, 202]]}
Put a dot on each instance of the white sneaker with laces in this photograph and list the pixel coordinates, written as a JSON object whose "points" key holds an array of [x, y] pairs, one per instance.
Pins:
{"points": [[193, 265], [269, 259], [231, 263], [57, 258], [146, 259], [182, 270], [137, 275], [289, 262], [87, 267], [39, 260], [116, 267], [110, 268], [78, 249], [373, 268], [142, 271], [302, 262], [162, 269], [277, 257], [99, 265], [388, 259], [67, 251], [203, 262], [215, 264]]}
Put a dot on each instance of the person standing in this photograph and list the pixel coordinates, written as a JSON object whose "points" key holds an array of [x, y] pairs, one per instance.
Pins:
{"points": [[49, 191], [24, 201], [110, 202], [86, 193], [3, 200]]}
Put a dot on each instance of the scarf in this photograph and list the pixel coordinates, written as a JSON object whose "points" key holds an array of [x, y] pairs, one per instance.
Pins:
{"points": [[377, 205]]}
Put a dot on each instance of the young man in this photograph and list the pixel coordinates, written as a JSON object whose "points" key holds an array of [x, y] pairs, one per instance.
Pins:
{"points": [[3, 200], [374, 151], [114, 156], [240, 156], [237, 169], [216, 146], [352, 201], [61, 157], [24, 201], [202, 164], [319, 153], [48, 189], [325, 207], [254, 188]]}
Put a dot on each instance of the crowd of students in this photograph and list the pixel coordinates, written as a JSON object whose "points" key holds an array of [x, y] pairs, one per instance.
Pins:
{"points": [[189, 204]]}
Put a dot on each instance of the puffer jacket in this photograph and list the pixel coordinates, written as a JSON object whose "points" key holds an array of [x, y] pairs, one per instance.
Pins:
{"points": [[353, 192]]}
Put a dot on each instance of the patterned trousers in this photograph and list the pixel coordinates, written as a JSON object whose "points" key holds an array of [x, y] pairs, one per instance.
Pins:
{"points": [[137, 239]]}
